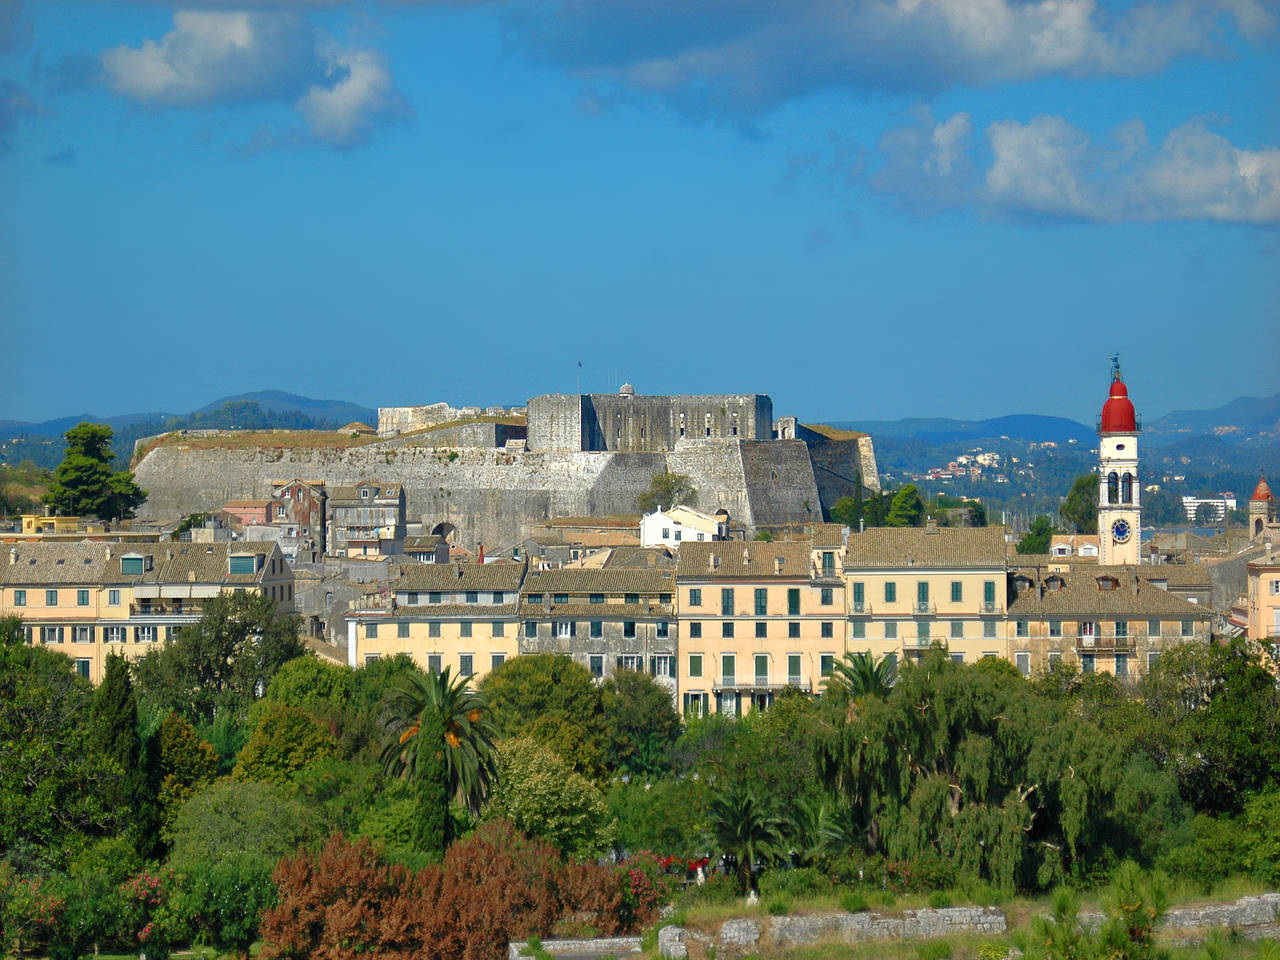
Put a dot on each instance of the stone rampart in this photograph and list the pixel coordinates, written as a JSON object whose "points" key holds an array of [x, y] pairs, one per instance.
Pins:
{"points": [[396, 420], [492, 496]]}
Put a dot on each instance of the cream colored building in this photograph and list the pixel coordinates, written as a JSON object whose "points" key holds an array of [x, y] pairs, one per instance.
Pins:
{"points": [[1114, 619], [756, 618], [91, 599], [1264, 598], [908, 588], [457, 615]]}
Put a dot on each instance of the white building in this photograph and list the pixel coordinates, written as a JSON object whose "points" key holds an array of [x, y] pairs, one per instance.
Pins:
{"points": [[672, 527], [1219, 506]]}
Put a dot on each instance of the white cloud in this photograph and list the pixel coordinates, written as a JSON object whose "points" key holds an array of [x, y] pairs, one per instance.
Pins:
{"points": [[361, 93], [746, 56], [1046, 168], [240, 56], [212, 57]]}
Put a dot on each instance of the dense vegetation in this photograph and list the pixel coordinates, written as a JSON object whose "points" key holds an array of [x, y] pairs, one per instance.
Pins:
{"points": [[231, 788]]}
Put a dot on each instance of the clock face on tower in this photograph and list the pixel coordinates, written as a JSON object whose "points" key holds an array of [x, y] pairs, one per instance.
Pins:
{"points": [[1120, 531]]}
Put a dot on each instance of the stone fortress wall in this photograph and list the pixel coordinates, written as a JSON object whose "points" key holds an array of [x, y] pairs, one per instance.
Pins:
{"points": [[493, 485]]}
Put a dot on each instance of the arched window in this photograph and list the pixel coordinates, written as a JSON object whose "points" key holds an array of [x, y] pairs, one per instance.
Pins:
{"points": [[1257, 527], [1126, 489], [1113, 487]]}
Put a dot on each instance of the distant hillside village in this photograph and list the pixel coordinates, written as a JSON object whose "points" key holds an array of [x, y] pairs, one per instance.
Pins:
{"points": [[688, 537]]}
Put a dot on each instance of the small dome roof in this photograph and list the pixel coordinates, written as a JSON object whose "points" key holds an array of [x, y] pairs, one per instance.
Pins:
{"points": [[627, 390], [1117, 412], [1262, 491]]}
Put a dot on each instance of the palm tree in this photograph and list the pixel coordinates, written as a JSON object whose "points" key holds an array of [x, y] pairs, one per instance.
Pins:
{"points": [[420, 702], [860, 674], [741, 825]]}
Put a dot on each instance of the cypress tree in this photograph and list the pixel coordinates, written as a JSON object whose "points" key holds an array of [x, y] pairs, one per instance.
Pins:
{"points": [[114, 736], [432, 826]]}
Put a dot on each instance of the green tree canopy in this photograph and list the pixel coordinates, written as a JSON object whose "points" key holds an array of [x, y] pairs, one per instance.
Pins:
{"points": [[541, 795], [285, 740], [1037, 538], [642, 722], [551, 698], [667, 490], [84, 483], [1080, 510], [223, 660], [51, 779], [228, 816], [907, 509]]}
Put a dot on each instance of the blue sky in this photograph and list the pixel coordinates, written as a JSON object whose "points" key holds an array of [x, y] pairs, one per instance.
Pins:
{"points": [[865, 208]]}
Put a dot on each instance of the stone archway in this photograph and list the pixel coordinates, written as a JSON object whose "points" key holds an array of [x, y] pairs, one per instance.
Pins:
{"points": [[448, 531]]}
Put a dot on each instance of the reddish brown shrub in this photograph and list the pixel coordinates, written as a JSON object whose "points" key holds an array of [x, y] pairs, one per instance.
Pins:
{"points": [[494, 887]]}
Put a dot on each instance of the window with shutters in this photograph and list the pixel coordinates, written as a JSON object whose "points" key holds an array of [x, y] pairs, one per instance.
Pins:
{"points": [[762, 602], [695, 665], [663, 630], [793, 630], [498, 629], [82, 634], [826, 597], [631, 598], [50, 634], [957, 629], [726, 602], [51, 598], [762, 669], [762, 629], [466, 664], [82, 598], [562, 629], [695, 597], [464, 628], [728, 669], [891, 630], [496, 660], [859, 630], [793, 601], [726, 628], [402, 630], [957, 591], [559, 598], [82, 668], [827, 630], [631, 661], [890, 592], [596, 598], [433, 663], [433, 629], [695, 630], [19, 598], [597, 629], [531, 629], [662, 665]]}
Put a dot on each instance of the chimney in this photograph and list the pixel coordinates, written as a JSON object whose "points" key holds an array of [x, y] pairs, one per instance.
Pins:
{"points": [[458, 570], [931, 525], [1268, 551], [777, 564], [713, 561], [13, 555], [746, 556], [482, 553]]}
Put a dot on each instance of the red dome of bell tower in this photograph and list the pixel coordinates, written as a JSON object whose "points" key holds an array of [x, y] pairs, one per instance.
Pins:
{"points": [[1117, 412]]}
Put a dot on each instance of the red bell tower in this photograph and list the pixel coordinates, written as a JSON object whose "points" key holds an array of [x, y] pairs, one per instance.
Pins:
{"points": [[1119, 493]]}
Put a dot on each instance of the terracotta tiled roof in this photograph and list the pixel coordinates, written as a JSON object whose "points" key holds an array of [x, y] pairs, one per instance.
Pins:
{"points": [[611, 581], [453, 577], [1079, 595], [827, 535], [386, 491], [428, 541], [36, 563], [738, 559], [948, 547], [457, 611], [1177, 574]]}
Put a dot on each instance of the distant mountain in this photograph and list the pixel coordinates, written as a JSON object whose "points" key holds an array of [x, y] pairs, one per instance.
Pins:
{"points": [[1253, 420], [60, 425], [336, 413], [1029, 427], [325, 414]]}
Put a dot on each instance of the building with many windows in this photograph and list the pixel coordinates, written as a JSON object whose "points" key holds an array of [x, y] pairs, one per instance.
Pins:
{"points": [[755, 618], [462, 616], [89, 599], [908, 588], [1263, 595], [1113, 619], [367, 519]]}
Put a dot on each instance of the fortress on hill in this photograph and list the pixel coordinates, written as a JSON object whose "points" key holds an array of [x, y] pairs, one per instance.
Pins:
{"points": [[493, 473]]}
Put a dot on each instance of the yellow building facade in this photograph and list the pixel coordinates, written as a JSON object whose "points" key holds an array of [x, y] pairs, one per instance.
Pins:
{"points": [[755, 618], [89, 600], [908, 588]]}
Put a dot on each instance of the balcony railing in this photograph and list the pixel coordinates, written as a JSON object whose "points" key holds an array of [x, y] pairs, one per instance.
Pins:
{"points": [[1104, 644], [923, 608], [861, 607], [988, 606]]}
